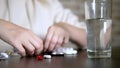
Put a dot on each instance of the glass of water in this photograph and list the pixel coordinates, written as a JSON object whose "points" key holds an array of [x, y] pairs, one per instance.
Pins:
{"points": [[99, 24]]}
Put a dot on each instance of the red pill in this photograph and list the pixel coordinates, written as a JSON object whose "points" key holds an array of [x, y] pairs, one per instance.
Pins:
{"points": [[40, 57]]}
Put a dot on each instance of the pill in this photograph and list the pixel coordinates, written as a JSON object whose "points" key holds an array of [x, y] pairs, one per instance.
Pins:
{"points": [[47, 56], [40, 57]]}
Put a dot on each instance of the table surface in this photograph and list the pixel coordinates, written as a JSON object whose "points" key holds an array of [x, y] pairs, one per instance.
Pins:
{"points": [[75, 61]]}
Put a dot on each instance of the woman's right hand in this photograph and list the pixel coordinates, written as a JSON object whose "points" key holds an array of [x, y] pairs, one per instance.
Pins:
{"points": [[24, 40]]}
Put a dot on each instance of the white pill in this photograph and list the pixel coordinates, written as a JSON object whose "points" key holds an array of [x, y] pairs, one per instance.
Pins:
{"points": [[4, 55], [54, 53], [70, 52], [61, 53], [65, 50], [74, 52], [47, 56]]}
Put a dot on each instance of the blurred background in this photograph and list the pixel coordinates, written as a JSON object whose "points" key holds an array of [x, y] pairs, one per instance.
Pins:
{"points": [[77, 6]]}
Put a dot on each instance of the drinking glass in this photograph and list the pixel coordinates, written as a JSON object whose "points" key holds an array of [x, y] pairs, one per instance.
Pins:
{"points": [[99, 25]]}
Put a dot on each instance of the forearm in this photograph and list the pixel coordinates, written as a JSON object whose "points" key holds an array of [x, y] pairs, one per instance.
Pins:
{"points": [[77, 35]]}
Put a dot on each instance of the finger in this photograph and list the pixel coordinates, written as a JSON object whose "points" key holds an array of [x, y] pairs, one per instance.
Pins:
{"points": [[38, 44], [66, 39], [53, 42], [59, 42], [20, 49], [29, 47], [56, 47], [48, 39]]}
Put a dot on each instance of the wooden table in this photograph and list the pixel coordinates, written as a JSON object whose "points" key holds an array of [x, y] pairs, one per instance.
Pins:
{"points": [[76, 61]]}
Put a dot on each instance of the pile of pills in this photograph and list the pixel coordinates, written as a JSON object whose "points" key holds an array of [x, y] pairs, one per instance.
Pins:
{"points": [[47, 55], [65, 50], [59, 52]]}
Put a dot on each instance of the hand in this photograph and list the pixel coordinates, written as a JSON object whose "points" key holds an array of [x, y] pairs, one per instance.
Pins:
{"points": [[55, 38], [24, 40]]}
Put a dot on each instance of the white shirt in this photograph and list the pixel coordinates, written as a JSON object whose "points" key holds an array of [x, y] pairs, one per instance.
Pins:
{"points": [[37, 15]]}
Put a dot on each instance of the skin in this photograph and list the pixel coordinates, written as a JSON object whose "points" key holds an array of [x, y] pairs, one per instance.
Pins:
{"points": [[107, 35], [55, 37], [77, 35], [26, 42]]}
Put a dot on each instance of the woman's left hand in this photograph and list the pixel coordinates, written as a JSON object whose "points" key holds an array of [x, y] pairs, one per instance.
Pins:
{"points": [[56, 37]]}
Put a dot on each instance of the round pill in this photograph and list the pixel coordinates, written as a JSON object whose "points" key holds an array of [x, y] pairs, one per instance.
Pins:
{"points": [[40, 57]]}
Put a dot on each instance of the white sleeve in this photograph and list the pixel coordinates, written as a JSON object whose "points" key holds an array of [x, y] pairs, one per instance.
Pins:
{"points": [[65, 15]]}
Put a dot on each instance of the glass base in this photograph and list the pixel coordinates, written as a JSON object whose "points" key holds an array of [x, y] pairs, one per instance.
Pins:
{"points": [[99, 54]]}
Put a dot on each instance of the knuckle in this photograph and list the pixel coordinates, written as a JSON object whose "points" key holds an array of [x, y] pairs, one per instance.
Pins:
{"points": [[31, 50], [13, 41], [59, 42], [53, 42], [38, 44], [37, 47]]}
